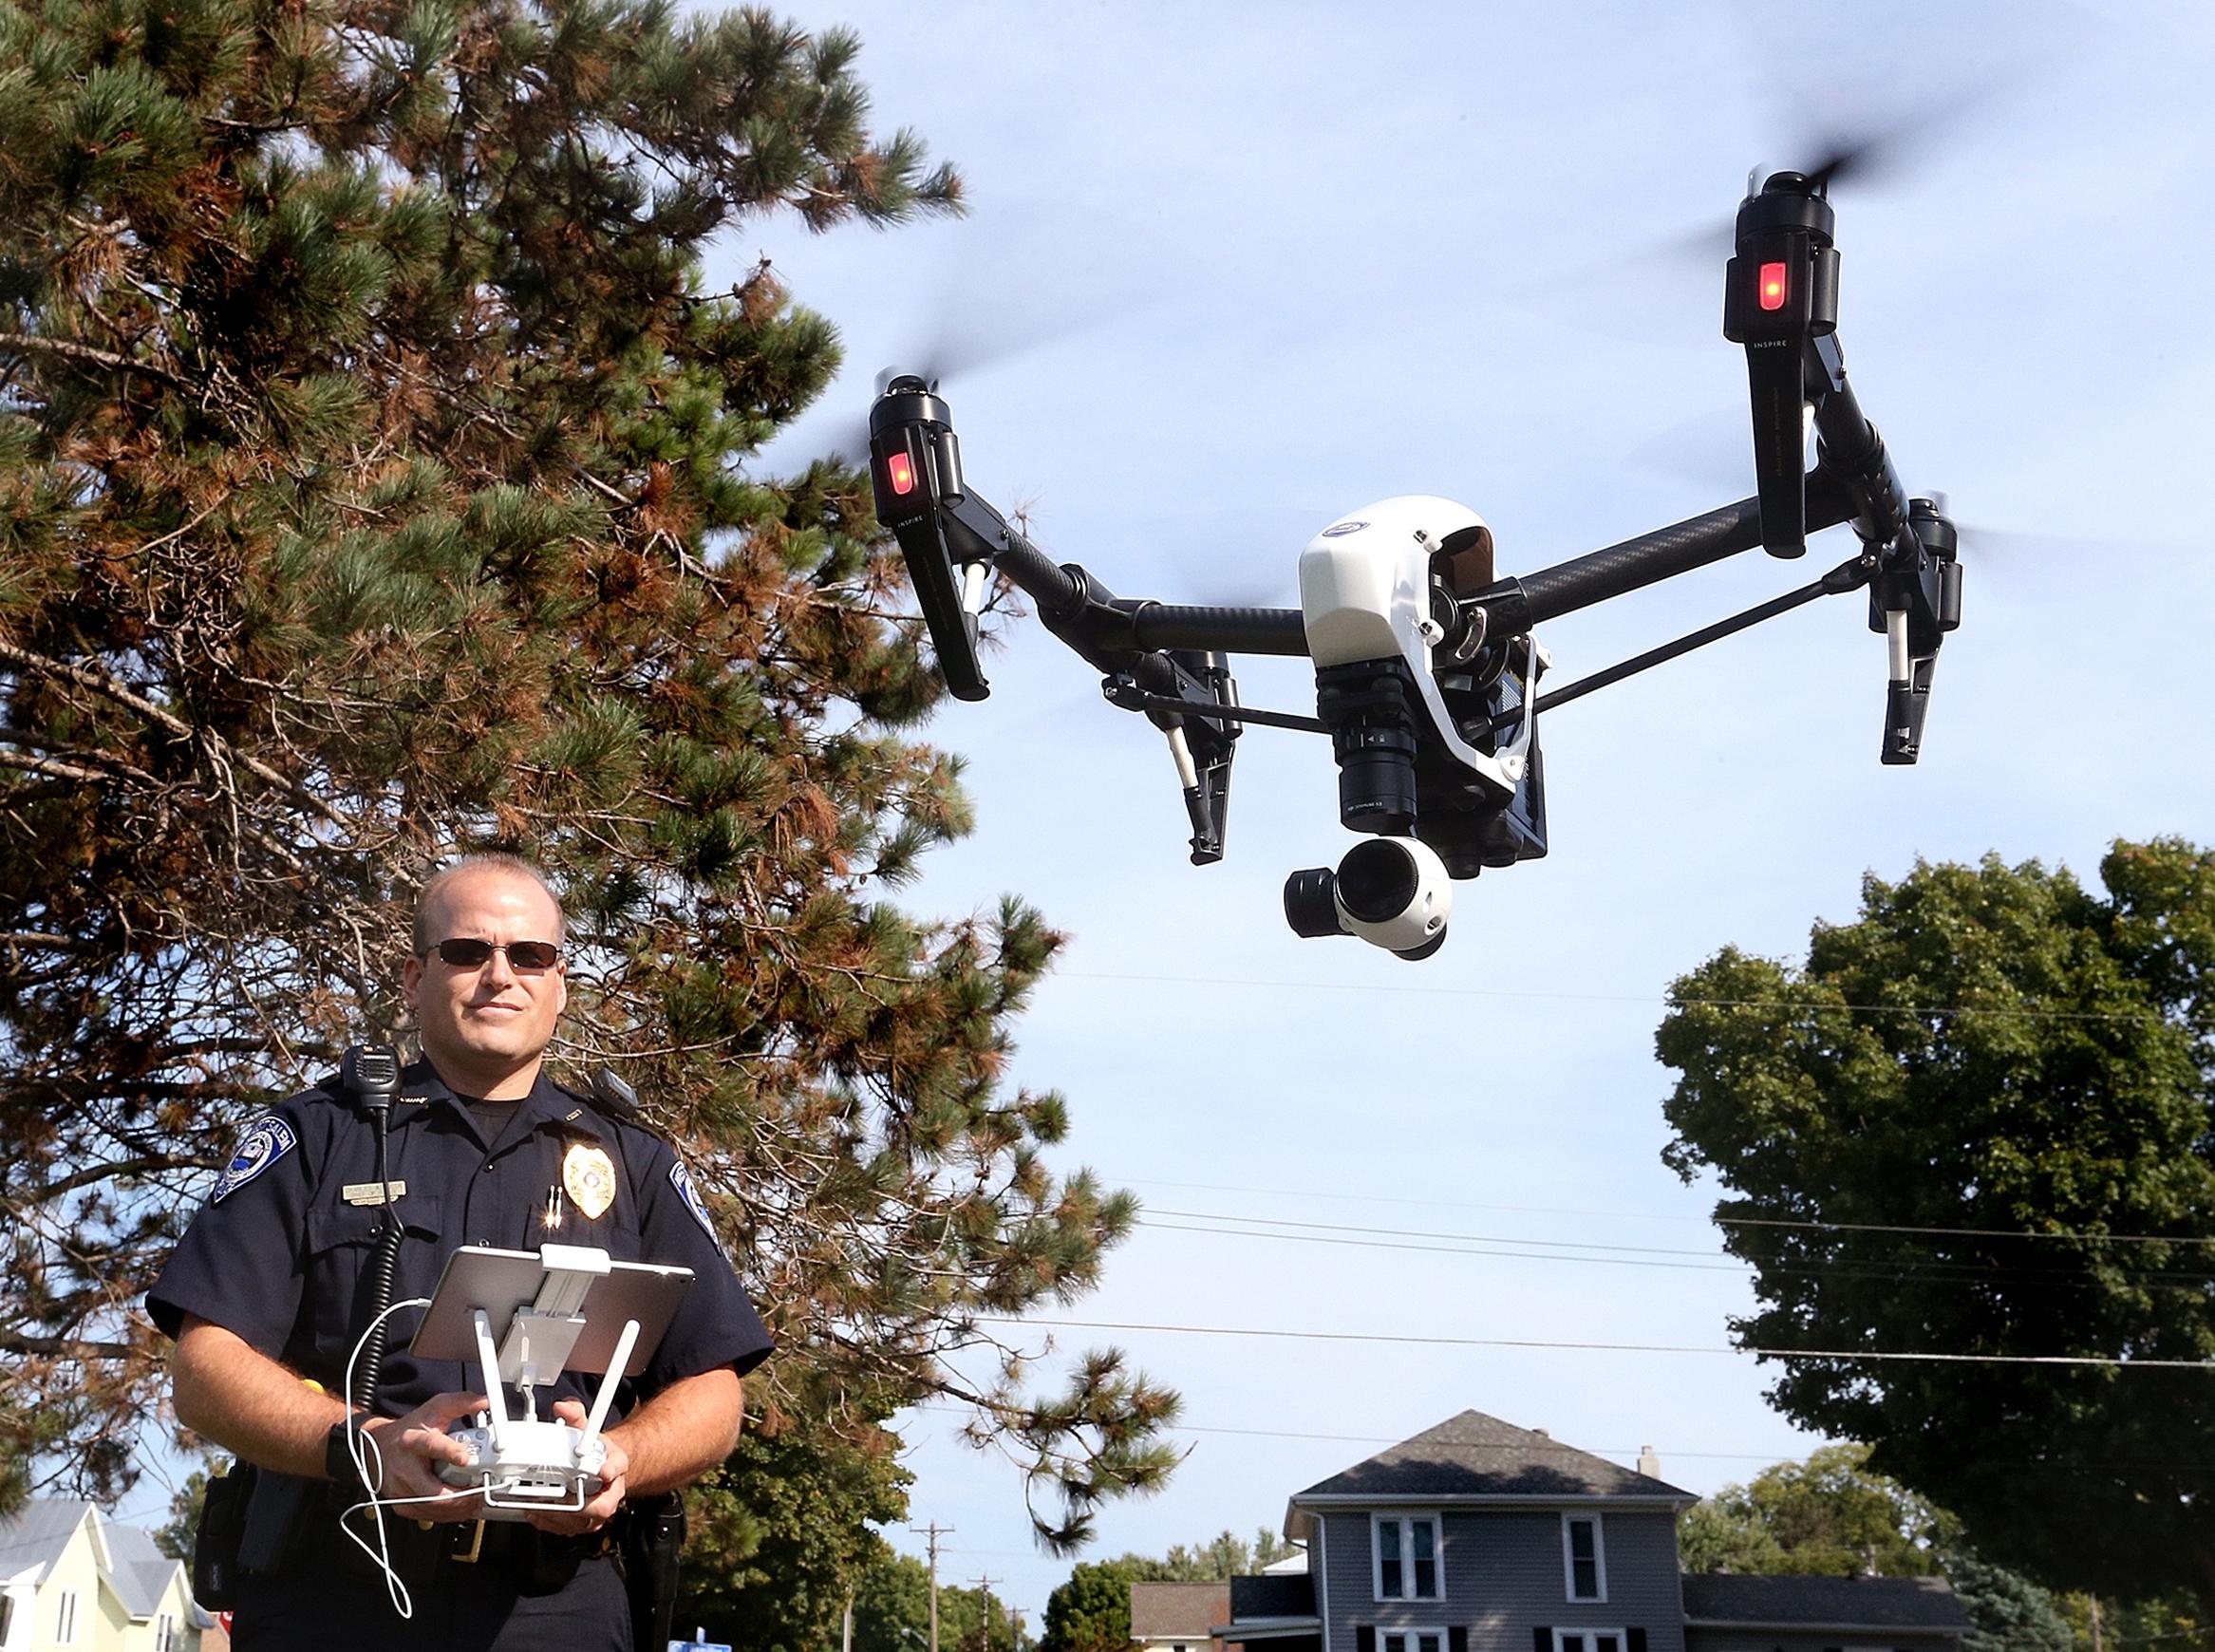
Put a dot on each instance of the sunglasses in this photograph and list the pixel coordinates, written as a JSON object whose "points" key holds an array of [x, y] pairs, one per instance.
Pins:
{"points": [[471, 954]]}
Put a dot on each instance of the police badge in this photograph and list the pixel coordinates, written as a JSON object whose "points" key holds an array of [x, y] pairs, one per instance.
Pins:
{"points": [[588, 1175]]}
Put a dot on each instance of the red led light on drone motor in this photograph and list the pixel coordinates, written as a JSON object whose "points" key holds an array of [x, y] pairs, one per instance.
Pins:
{"points": [[1773, 286], [902, 470]]}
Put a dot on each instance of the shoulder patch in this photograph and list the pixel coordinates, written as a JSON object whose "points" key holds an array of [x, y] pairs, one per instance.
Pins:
{"points": [[680, 1180], [267, 1140]]}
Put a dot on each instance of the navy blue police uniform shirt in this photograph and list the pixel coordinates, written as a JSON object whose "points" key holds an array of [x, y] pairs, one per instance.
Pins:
{"points": [[279, 1255]]}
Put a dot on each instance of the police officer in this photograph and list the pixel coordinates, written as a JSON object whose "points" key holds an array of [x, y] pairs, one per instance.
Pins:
{"points": [[270, 1290]]}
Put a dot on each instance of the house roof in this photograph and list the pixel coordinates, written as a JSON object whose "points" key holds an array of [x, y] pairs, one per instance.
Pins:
{"points": [[39, 1532], [1177, 1612], [1272, 1595], [1887, 1603], [131, 1565], [1475, 1455], [140, 1572]]}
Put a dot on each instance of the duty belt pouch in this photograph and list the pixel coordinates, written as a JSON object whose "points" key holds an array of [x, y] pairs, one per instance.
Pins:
{"points": [[653, 1540], [217, 1537]]}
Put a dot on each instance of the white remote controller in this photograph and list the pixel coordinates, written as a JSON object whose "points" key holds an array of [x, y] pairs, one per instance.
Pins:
{"points": [[544, 1465]]}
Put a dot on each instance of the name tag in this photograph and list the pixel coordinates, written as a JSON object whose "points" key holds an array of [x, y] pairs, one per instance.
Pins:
{"points": [[370, 1193]]}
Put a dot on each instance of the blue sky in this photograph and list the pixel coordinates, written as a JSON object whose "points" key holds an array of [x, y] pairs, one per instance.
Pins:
{"points": [[1249, 268]]}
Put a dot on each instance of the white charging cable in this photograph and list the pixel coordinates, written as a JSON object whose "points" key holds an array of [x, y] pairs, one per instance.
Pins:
{"points": [[369, 1463]]}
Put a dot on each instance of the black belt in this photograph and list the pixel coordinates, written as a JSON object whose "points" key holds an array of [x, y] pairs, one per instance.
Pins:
{"points": [[515, 1552]]}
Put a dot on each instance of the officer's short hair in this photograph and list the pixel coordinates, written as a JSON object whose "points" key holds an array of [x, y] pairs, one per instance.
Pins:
{"points": [[491, 860]]}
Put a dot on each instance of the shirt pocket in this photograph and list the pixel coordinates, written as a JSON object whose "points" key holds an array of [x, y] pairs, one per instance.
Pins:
{"points": [[341, 1286]]}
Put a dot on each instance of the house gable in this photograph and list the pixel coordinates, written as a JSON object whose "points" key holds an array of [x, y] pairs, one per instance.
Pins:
{"points": [[62, 1565]]}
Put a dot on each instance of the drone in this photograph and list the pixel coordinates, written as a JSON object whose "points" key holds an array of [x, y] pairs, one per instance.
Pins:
{"points": [[1427, 668]]}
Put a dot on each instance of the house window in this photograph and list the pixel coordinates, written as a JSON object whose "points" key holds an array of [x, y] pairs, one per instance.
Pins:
{"points": [[65, 1617], [1587, 1640], [1583, 1557], [164, 1633], [1413, 1640], [1407, 1548]]}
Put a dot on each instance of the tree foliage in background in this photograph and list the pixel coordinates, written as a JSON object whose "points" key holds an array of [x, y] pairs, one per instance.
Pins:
{"points": [[374, 484], [892, 1612], [2023, 1064], [1833, 1516], [781, 1535], [1091, 1611], [1829, 1515]]}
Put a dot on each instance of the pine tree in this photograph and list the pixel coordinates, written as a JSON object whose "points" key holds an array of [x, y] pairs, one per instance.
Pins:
{"points": [[376, 482]]}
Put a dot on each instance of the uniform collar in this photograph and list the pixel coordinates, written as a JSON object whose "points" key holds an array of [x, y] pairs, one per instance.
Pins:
{"points": [[547, 1105]]}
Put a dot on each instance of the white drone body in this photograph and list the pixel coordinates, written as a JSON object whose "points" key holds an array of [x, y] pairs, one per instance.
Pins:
{"points": [[1366, 594]]}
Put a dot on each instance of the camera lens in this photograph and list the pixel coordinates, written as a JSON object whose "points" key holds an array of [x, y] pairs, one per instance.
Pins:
{"points": [[1378, 881]]}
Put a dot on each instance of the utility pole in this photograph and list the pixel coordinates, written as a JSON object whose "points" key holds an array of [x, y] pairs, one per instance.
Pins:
{"points": [[2097, 1644], [932, 1534], [986, 1584]]}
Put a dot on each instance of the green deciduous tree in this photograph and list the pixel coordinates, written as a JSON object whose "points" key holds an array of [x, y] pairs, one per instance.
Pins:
{"points": [[1091, 1612], [376, 482], [891, 1604], [781, 1536], [892, 1612], [1834, 1515], [1226, 1554], [1829, 1515], [1977, 1121]]}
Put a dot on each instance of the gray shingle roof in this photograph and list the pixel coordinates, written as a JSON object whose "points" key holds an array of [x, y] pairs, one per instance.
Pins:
{"points": [[142, 1571], [137, 1571], [1474, 1455], [1272, 1595], [1889, 1603], [38, 1534], [1177, 1612]]}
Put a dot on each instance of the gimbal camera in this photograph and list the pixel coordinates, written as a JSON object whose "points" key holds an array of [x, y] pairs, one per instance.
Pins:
{"points": [[1426, 665]]}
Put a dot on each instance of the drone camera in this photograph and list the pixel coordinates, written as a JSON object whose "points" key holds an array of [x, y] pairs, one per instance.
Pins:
{"points": [[1393, 893]]}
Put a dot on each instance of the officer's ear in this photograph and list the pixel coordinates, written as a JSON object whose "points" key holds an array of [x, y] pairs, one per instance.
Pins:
{"points": [[411, 979]]}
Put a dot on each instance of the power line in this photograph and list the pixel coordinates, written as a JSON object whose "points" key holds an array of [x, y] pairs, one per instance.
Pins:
{"points": [[1808, 1223], [1929, 1269], [1802, 1009], [1432, 1249], [1424, 1233], [1405, 1339]]}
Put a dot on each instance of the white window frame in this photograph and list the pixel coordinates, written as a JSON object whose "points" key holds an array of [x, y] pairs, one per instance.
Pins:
{"points": [[65, 1619], [1569, 1560], [1405, 1522], [1621, 1638], [1407, 1643]]}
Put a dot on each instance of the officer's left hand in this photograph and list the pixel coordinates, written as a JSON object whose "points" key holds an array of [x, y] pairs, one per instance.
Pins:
{"points": [[597, 1513]]}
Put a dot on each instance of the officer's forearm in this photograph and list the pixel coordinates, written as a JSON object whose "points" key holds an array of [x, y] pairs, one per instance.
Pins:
{"points": [[245, 1401], [681, 1432]]}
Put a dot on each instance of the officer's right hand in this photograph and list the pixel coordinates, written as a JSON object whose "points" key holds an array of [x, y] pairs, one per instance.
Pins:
{"points": [[413, 1446]]}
